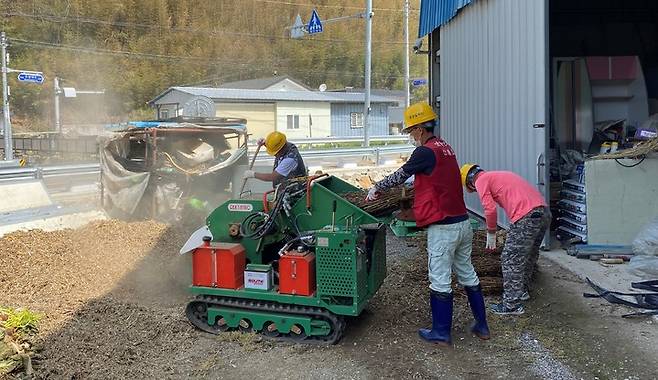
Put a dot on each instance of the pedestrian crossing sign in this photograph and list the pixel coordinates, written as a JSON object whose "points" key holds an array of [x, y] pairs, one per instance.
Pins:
{"points": [[314, 24]]}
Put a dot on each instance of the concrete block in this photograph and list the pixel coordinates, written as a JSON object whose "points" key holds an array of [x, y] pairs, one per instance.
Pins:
{"points": [[23, 195]]}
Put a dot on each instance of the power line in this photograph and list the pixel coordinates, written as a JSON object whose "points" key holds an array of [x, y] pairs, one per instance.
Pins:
{"points": [[331, 6], [272, 65], [84, 20], [123, 53]]}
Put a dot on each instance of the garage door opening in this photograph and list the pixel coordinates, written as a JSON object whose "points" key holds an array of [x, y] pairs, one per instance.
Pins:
{"points": [[604, 89]]}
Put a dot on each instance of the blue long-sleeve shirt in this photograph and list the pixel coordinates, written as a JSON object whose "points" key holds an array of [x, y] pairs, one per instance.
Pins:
{"points": [[422, 160]]}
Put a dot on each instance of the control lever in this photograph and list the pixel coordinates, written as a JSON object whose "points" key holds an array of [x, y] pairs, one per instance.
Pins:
{"points": [[333, 216]]}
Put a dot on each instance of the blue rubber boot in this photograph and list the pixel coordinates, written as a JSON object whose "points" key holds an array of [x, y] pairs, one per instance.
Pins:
{"points": [[441, 304], [476, 301]]}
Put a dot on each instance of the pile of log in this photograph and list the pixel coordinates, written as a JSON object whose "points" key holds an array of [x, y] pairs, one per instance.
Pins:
{"points": [[487, 264]]}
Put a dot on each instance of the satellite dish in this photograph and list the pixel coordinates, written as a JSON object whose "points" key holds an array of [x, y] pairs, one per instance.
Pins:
{"points": [[199, 106], [323, 87]]}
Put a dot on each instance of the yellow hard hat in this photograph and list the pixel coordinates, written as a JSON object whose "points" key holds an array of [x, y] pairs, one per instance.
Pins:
{"points": [[274, 142], [468, 172], [418, 113]]}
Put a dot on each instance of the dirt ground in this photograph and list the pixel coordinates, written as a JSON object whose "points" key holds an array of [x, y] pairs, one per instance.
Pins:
{"points": [[113, 294]]}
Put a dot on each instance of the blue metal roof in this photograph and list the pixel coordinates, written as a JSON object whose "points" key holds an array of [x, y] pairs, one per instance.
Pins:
{"points": [[435, 13]]}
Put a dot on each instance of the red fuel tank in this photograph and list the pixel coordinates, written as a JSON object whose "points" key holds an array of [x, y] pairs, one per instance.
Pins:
{"points": [[297, 273], [219, 265]]}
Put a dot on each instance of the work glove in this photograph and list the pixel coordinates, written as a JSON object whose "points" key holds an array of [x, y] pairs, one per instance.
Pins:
{"points": [[260, 141], [373, 194], [248, 174], [491, 242]]}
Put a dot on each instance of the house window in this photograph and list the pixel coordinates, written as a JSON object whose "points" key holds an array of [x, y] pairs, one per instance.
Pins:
{"points": [[293, 121], [356, 120], [164, 114]]}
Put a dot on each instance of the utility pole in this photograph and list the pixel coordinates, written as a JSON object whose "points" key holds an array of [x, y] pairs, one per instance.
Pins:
{"points": [[406, 53], [9, 151], [58, 122], [366, 110]]}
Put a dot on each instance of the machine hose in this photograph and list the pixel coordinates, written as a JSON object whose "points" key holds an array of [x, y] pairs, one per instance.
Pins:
{"points": [[287, 246], [270, 218]]}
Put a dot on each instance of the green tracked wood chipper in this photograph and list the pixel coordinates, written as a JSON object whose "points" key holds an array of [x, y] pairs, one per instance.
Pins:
{"points": [[304, 221]]}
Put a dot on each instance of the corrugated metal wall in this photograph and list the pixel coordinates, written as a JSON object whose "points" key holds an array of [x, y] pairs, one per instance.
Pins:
{"points": [[494, 86], [340, 119]]}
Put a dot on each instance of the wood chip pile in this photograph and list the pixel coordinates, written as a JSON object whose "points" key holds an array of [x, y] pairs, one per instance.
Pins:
{"points": [[110, 294]]}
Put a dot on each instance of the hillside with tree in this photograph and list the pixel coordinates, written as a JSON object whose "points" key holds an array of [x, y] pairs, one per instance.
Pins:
{"points": [[135, 49]]}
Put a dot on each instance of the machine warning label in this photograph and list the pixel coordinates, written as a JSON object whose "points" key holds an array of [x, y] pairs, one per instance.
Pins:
{"points": [[323, 242], [240, 207]]}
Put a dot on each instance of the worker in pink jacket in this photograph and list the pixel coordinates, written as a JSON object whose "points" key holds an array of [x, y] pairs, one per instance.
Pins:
{"points": [[526, 208]]}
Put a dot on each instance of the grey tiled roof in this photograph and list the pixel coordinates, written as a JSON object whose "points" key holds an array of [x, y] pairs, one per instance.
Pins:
{"points": [[259, 83], [231, 94]]}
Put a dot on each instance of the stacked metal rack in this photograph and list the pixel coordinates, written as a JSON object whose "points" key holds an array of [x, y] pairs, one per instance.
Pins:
{"points": [[572, 211]]}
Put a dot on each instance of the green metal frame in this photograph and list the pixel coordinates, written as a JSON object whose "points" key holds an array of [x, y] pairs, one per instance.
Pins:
{"points": [[346, 276], [323, 193], [284, 322], [404, 228]]}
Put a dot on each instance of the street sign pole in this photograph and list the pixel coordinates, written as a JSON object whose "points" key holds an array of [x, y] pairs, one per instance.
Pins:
{"points": [[406, 53], [9, 151], [366, 109]]}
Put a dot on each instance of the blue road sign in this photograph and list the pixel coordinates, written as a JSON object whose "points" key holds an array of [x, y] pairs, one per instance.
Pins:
{"points": [[31, 77], [419, 82], [314, 24]]}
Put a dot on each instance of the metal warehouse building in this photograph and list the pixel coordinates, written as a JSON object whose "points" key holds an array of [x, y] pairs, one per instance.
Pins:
{"points": [[519, 82]]}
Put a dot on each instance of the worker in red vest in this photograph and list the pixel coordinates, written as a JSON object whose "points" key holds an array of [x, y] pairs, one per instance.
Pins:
{"points": [[439, 207], [526, 209]]}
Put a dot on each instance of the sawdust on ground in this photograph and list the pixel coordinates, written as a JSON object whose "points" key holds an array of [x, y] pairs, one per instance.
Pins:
{"points": [[113, 295], [113, 292], [110, 287]]}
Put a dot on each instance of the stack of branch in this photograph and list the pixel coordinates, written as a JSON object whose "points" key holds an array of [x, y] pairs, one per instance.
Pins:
{"points": [[487, 265], [640, 150], [388, 201]]}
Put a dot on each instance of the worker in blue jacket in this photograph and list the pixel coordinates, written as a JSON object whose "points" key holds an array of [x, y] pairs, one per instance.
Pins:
{"points": [[288, 163], [439, 207]]}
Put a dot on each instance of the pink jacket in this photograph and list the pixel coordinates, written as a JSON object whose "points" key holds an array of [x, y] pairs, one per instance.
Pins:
{"points": [[509, 190]]}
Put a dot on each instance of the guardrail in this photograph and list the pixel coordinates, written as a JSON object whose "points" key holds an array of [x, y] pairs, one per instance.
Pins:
{"points": [[52, 143], [401, 139], [93, 168], [48, 171], [88, 145]]}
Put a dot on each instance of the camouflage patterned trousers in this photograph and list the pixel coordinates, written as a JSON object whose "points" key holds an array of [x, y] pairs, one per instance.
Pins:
{"points": [[521, 252]]}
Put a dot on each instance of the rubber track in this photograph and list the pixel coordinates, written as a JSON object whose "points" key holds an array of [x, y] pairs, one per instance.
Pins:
{"points": [[200, 319]]}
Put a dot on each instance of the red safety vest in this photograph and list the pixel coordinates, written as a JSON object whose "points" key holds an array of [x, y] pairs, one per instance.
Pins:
{"points": [[439, 195]]}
